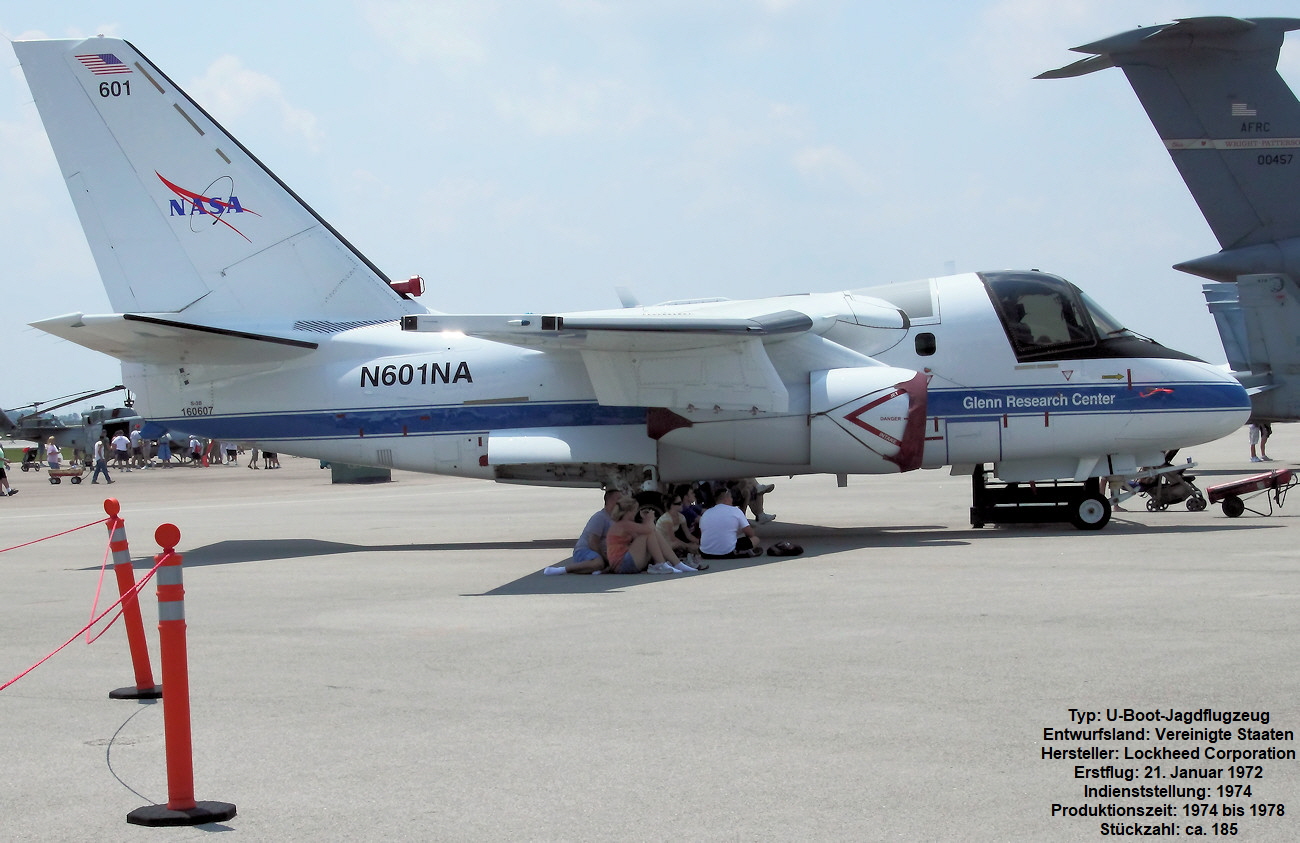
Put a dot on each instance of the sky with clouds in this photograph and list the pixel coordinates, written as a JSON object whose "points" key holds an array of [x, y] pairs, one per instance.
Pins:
{"points": [[534, 155]]}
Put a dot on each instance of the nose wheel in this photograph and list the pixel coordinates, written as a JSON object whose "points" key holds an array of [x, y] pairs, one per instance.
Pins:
{"points": [[1091, 512]]}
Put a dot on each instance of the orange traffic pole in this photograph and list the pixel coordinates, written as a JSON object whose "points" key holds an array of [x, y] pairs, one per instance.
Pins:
{"points": [[181, 809], [144, 689]]}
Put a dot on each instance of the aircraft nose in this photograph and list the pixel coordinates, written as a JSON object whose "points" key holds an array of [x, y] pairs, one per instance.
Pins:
{"points": [[1213, 402]]}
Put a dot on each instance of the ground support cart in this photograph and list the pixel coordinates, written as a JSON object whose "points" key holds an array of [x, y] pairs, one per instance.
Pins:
{"points": [[1044, 501], [1273, 485]]}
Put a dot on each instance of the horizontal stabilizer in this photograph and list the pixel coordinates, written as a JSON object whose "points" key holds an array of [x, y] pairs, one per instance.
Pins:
{"points": [[1230, 123], [140, 338], [1082, 67]]}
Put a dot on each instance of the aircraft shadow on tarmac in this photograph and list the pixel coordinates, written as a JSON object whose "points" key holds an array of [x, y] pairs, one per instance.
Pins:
{"points": [[270, 550], [821, 541], [816, 540]]}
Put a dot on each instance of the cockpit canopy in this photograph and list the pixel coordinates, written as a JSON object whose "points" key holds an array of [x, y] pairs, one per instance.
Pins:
{"points": [[1048, 318]]}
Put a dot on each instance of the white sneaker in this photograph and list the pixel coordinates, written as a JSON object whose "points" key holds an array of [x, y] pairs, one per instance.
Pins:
{"points": [[765, 517], [661, 568], [682, 569], [552, 570]]}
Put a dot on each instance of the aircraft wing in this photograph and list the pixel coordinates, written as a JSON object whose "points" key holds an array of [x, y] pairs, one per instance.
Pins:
{"points": [[640, 359], [613, 332], [141, 338]]}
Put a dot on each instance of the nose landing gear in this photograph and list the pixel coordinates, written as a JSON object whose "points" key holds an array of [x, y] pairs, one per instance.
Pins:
{"points": [[995, 502]]}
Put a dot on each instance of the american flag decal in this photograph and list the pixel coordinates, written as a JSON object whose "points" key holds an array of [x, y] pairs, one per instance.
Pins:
{"points": [[103, 64], [1241, 109]]}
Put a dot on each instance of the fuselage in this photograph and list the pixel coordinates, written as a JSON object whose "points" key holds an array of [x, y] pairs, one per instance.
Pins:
{"points": [[1079, 398]]}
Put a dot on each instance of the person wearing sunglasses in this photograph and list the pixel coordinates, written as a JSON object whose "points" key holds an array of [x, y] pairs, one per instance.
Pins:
{"points": [[634, 546], [674, 532]]}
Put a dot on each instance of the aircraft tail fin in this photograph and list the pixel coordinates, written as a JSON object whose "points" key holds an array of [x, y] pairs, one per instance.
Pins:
{"points": [[1232, 126], [180, 217], [1259, 322], [1225, 306]]}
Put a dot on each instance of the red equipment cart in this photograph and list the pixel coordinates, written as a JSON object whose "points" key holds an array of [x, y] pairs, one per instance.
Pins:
{"points": [[1273, 484]]}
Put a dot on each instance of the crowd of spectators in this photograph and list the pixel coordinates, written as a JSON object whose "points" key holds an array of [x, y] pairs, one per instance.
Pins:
{"points": [[670, 532]]}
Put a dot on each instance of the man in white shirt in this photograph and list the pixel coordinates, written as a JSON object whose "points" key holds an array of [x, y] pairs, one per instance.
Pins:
{"points": [[121, 451], [101, 462], [137, 447], [725, 532]]}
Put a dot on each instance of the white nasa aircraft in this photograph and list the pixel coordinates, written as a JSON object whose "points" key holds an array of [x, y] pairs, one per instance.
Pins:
{"points": [[241, 314]]}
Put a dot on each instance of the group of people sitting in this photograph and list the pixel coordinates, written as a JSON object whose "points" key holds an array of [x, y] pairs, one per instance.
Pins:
{"points": [[673, 533]]}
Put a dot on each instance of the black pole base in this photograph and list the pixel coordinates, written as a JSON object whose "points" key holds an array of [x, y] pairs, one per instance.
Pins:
{"points": [[134, 693], [202, 812]]}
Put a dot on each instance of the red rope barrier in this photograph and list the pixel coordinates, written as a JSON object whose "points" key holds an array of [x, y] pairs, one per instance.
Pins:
{"points": [[55, 536], [77, 634], [99, 587]]}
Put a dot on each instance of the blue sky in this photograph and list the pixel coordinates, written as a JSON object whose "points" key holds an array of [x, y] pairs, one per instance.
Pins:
{"points": [[533, 156]]}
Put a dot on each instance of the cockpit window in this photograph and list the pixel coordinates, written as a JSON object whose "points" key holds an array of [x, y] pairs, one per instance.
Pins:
{"points": [[1048, 318], [1106, 325], [1044, 314]]}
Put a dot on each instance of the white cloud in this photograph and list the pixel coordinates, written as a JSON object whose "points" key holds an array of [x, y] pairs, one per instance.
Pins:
{"points": [[230, 92], [108, 30], [564, 104], [450, 35], [829, 164]]}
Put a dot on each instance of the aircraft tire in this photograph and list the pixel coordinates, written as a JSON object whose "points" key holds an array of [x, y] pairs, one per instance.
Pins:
{"points": [[1196, 503], [1091, 512], [1233, 506]]}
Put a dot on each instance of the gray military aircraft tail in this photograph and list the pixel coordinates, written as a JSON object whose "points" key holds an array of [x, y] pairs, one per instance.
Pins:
{"points": [[1232, 127]]}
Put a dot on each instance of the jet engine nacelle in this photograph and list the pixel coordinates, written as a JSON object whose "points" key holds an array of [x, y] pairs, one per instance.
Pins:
{"points": [[867, 420]]}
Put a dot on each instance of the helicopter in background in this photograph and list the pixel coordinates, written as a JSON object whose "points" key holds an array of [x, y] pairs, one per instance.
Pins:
{"points": [[36, 423]]}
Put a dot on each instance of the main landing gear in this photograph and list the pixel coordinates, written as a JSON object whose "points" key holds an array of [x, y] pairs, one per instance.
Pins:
{"points": [[995, 502]]}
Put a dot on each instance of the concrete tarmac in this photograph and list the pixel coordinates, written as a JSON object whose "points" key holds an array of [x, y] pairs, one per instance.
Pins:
{"points": [[388, 662]]}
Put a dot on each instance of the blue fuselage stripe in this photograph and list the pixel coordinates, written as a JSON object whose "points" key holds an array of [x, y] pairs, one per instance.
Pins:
{"points": [[1122, 398], [955, 404], [403, 421]]}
